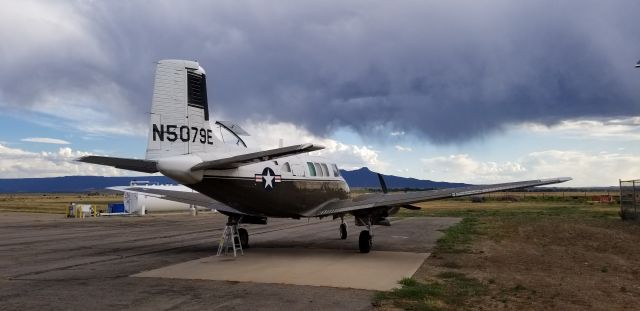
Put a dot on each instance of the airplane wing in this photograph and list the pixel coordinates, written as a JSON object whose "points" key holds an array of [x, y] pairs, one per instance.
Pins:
{"points": [[150, 166], [384, 200], [250, 158], [145, 166], [194, 198]]}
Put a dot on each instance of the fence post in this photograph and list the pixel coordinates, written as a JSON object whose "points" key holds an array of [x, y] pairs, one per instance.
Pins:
{"points": [[635, 209], [621, 206]]}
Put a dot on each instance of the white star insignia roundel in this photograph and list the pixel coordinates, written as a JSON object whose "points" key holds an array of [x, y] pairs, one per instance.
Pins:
{"points": [[267, 178]]}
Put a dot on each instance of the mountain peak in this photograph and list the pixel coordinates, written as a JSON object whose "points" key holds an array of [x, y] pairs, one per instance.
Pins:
{"points": [[362, 169]]}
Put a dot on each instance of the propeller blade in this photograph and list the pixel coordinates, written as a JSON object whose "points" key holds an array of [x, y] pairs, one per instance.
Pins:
{"points": [[383, 185]]}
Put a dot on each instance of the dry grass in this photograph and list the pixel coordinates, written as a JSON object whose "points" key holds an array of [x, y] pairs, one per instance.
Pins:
{"points": [[543, 255], [53, 203]]}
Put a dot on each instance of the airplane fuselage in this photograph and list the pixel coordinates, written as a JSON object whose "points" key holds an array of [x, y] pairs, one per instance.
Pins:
{"points": [[286, 187]]}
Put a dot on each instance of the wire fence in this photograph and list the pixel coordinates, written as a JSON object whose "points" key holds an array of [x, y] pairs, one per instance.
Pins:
{"points": [[629, 199]]}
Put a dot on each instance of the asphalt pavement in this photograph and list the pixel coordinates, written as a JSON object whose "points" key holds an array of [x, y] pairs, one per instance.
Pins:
{"points": [[50, 262]]}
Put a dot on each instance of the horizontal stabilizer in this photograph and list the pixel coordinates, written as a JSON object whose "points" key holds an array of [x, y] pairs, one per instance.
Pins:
{"points": [[194, 198], [254, 157], [145, 166]]}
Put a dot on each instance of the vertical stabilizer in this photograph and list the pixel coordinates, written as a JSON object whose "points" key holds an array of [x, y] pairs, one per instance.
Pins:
{"points": [[179, 111]]}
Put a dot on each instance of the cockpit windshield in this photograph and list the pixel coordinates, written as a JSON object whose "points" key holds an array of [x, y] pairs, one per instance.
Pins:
{"points": [[230, 133]]}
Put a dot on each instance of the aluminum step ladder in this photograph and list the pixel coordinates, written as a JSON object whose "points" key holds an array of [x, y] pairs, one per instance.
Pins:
{"points": [[230, 241]]}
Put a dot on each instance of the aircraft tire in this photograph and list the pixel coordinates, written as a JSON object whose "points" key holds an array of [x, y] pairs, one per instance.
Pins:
{"points": [[244, 237], [343, 231], [365, 241]]}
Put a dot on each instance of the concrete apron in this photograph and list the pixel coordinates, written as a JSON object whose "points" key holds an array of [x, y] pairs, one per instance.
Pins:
{"points": [[377, 270]]}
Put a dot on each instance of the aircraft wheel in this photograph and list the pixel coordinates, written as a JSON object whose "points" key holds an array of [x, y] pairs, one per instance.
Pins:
{"points": [[365, 241], [343, 231], [244, 237]]}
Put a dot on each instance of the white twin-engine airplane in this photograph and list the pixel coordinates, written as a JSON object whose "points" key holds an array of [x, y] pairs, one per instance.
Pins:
{"points": [[249, 185]]}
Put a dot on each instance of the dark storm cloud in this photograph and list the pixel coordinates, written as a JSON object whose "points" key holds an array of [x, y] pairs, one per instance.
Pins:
{"points": [[445, 70]]}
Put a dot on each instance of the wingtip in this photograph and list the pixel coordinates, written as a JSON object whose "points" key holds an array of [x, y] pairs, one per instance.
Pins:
{"points": [[556, 179], [311, 147], [81, 159]]}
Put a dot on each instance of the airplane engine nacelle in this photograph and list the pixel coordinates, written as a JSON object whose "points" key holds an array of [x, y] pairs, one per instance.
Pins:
{"points": [[393, 210], [179, 167]]}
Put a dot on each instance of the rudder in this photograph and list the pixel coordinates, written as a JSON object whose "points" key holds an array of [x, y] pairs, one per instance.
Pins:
{"points": [[179, 111]]}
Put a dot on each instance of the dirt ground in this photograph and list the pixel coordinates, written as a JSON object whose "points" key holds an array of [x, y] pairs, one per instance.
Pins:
{"points": [[547, 256]]}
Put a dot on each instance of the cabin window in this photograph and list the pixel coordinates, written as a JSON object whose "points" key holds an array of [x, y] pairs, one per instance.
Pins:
{"points": [[286, 167], [330, 170], [325, 169], [318, 169], [336, 171], [312, 170]]}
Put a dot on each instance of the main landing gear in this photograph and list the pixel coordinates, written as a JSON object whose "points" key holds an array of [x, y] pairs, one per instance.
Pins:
{"points": [[365, 241], [343, 229], [243, 235]]}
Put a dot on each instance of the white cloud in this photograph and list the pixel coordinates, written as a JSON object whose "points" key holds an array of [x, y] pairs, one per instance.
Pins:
{"points": [[18, 163], [82, 111], [602, 129], [461, 167], [398, 133], [46, 140], [586, 169], [401, 148], [266, 135]]}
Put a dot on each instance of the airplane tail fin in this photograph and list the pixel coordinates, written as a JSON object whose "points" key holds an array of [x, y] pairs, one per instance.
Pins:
{"points": [[179, 111]]}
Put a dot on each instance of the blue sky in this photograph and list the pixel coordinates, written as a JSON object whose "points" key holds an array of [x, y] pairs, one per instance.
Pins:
{"points": [[456, 91]]}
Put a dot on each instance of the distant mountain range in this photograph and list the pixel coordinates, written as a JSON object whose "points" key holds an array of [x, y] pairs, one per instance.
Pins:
{"points": [[365, 178], [360, 178]]}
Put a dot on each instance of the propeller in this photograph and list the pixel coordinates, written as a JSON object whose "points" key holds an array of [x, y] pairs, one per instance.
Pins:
{"points": [[383, 185]]}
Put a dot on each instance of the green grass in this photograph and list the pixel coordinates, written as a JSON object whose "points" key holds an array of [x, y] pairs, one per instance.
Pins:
{"points": [[453, 288], [448, 293], [458, 238], [493, 220]]}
